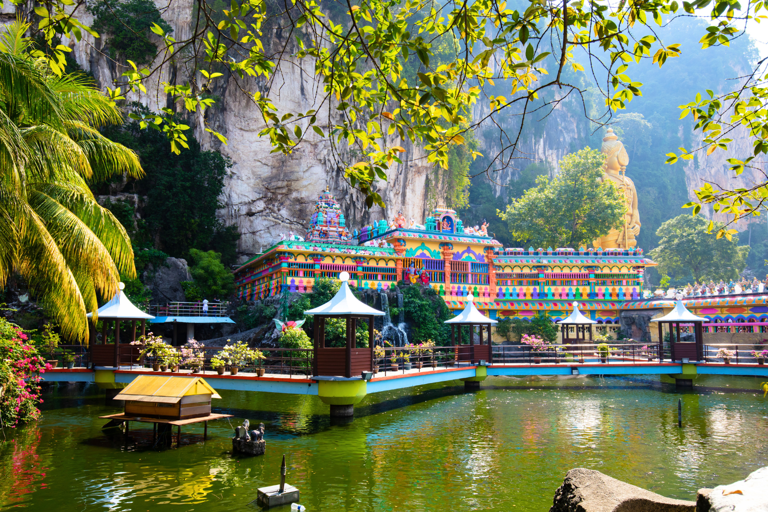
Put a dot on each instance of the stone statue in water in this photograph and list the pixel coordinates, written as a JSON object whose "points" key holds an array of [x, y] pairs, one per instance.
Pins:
{"points": [[616, 160]]}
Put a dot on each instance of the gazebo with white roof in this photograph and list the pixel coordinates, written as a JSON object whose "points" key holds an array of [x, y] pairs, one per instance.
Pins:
{"points": [[580, 322], [471, 317], [350, 360], [693, 351], [119, 309]]}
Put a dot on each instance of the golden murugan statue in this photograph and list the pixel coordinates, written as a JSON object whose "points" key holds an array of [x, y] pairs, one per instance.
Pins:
{"points": [[616, 160]]}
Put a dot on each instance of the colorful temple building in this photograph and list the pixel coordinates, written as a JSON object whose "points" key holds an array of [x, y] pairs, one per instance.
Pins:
{"points": [[455, 261]]}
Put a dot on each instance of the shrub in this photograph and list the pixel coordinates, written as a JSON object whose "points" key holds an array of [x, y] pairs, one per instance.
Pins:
{"points": [[210, 274], [295, 337], [20, 369]]}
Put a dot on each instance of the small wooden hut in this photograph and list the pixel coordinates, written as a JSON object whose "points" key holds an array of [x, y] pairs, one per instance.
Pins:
{"points": [[168, 397], [693, 351], [474, 319]]}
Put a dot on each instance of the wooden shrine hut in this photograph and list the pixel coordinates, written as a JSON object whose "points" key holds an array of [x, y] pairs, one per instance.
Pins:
{"points": [[693, 351], [474, 319], [581, 324], [113, 315], [350, 360], [168, 402]]}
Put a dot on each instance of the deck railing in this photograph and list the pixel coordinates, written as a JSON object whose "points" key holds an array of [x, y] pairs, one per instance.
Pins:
{"points": [[215, 309], [633, 353]]}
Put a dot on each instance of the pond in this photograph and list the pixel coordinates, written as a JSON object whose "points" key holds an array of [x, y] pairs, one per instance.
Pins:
{"points": [[505, 447]]}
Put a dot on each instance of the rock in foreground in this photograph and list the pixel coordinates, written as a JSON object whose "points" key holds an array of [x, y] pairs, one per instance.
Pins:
{"points": [[748, 495], [586, 490]]}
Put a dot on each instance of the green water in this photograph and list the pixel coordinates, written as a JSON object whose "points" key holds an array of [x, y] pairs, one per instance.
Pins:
{"points": [[506, 447]]}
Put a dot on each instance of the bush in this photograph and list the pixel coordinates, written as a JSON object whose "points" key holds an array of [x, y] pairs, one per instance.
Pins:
{"points": [[20, 369], [210, 274], [426, 313], [295, 337], [336, 333], [505, 328]]}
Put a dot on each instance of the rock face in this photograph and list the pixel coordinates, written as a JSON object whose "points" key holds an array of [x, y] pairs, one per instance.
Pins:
{"points": [[637, 324], [586, 490], [748, 495], [166, 283]]}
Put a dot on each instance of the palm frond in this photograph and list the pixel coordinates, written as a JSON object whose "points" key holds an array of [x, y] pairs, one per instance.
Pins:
{"points": [[54, 155], [106, 157], [82, 101]]}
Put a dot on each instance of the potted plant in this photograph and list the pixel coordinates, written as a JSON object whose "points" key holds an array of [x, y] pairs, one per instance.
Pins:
{"points": [[537, 344], [69, 359], [151, 346], [393, 358], [429, 346], [166, 356], [218, 364], [647, 352], [558, 352], [239, 355], [193, 355], [378, 355], [51, 341], [760, 356], [725, 354], [174, 359], [259, 356], [407, 356], [603, 351]]}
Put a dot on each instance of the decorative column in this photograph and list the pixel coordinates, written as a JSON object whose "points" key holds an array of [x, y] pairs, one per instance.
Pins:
{"points": [[489, 257], [447, 250]]}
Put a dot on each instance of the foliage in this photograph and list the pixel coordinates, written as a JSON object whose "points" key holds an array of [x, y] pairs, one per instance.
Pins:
{"points": [[570, 210], [182, 193], [295, 337], [323, 291], [454, 178], [336, 333], [240, 354], [603, 349], [760, 354], [192, 292], [298, 307], [687, 253], [217, 362], [138, 293], [50, 338], [505, 328], [536, 343], [725, 353], [251, 316], [210, 274], [152, 346], [541, 325], [128, 24], [426, 313], [20, 369], [69, 249]]}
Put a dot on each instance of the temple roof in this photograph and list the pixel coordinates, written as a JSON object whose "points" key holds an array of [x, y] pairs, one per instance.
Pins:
{"points": [[344, 303], [470, 315], [121, 308], [680, 314]]}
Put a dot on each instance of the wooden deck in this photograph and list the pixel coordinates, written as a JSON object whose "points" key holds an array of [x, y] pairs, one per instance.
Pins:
{"points": [[177, 423]]}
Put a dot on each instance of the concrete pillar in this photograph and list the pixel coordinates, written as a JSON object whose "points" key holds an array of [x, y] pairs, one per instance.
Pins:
{"points": [[342, 411], [342, 395], [190, 332]]}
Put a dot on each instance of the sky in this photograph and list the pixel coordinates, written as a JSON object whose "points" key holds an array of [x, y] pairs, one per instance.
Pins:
{"points": [[759, 34]]}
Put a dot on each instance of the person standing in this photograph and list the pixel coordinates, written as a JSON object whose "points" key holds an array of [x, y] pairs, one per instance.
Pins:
{"points": [[205, 307]]}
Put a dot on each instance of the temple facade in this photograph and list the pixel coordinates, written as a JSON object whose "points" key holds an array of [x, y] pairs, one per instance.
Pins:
{"points": [[453, 260]]}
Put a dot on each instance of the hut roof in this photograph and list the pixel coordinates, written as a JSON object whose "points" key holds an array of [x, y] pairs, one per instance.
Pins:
{"points": [[344, 303], [168, 390], [680, 314], [470, 315], [576, 317], [121, 308]]}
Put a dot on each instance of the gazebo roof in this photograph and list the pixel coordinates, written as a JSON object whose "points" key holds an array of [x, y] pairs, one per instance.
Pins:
{"points": [[576, 317], [344, 303], [679, 314], [120, 308], [470, 315]]}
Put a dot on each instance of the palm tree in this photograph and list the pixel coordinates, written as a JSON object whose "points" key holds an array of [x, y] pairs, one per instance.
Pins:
{"points": [[53, 232]]}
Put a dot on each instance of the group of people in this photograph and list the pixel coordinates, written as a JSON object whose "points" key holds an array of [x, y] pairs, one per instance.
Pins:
{"points": [[721, 288]]}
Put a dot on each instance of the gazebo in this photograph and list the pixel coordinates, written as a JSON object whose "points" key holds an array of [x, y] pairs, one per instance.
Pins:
{"points": [[350, 360], [693, 351], [117, 310], [473, 318], [581, 323]]}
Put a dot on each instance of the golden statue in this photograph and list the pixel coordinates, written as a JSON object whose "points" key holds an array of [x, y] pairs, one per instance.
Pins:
{"points": [[616, 160]]}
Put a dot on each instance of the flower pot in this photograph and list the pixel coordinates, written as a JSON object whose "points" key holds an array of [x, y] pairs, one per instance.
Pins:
{"points": [[376, 369], [727, 360], [164, 367], [536, 360], [233, 370], [419, 365], [761, 361], [195, 369], [260, 372], [53, 362], [394, 367], [220, 370], [175, 369], [650, 358], [603, 359], [581, 359], [407, 366], [70, 365], [156, 367], [434, 364]]}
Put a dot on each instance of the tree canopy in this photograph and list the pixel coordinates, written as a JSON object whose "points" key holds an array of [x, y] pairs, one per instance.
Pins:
{"points": [[570, 210], [210, 275], [381, 83], [687, 253]]}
